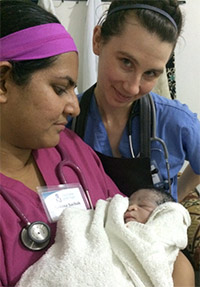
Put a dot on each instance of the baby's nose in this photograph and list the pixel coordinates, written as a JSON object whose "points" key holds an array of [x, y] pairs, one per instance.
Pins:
{"points": [[132, 207]]}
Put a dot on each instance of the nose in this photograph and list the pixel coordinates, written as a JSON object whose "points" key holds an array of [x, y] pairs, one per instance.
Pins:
{"points": [[132, 85], [71, 104], [132, 207]]}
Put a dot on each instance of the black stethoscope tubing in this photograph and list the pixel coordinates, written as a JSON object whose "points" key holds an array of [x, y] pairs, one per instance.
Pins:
{"points": [[153, 138]]}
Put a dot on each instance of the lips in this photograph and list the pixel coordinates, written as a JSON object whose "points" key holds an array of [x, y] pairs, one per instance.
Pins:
{"points": [[61, 125], [129, 217], [121, 97], [62, 122]]}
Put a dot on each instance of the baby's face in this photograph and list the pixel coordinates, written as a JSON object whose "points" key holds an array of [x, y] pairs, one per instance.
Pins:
{"points": [[141, 205]]}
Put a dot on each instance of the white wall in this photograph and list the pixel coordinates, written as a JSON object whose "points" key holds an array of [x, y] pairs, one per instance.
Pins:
{"points": [[187, 56], [72, 16], [187, 53]]}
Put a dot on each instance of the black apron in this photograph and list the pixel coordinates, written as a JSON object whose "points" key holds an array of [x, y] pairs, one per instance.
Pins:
{"points": [[129, 174]]}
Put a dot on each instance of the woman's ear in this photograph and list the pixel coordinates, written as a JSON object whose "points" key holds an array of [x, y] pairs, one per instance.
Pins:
{"points": [[96, 40], [5, 68]]}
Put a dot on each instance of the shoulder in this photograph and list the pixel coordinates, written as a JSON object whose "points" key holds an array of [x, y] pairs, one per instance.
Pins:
{"points": [[169, 104], [173, 111]]}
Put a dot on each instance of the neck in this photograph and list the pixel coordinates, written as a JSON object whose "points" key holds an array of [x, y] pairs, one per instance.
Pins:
{"points": [[119, 115], [114, 120], [13, 159], [20, 165]]}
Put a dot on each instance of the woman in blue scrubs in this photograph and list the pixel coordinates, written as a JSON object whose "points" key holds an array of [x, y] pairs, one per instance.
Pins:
{"points": [[134, 42]]}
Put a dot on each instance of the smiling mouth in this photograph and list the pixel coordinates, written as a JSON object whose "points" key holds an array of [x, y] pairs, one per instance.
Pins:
{"points": [[122, 98]]}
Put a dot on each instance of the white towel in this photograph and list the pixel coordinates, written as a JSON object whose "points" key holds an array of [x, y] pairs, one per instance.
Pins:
{"points": [[95, 248], [148, 251]]}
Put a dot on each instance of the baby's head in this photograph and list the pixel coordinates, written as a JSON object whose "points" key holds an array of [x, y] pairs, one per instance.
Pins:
{"points": [[143, 202]]}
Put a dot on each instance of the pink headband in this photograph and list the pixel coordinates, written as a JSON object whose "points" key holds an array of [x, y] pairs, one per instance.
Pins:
{"points": [[36, 42]]}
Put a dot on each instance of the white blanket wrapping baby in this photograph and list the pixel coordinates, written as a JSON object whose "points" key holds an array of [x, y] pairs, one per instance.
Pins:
{"points": [[96, 248]]}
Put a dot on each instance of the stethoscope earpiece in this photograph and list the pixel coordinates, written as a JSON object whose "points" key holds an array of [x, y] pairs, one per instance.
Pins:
{"points": [[36, 236]]}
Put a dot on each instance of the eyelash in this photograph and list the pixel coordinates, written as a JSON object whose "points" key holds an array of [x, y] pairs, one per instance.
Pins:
{"points": [[151, 74], [127, 63], [59, 91]]}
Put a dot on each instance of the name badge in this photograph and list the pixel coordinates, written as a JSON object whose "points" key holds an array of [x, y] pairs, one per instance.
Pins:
{"points": [[56, 198]]}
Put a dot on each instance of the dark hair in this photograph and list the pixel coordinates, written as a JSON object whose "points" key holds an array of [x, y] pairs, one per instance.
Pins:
{"points": [[19, 15], [154, 22], [162, 196]]}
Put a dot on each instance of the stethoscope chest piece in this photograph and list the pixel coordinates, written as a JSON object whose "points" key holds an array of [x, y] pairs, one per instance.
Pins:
{"points": [[36, 236]]}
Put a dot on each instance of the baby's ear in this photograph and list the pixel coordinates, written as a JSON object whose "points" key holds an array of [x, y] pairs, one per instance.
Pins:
{"points": [[5, 69]]}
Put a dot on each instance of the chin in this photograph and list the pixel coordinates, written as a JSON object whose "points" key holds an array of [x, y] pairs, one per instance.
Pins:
{"points": [[50, 142]]}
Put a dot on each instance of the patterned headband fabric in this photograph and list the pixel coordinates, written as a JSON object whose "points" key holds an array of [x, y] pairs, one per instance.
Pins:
{"points": [[36, 42], [143, 6]]}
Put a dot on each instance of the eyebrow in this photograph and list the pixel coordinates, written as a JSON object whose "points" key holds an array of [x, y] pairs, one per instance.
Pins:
{"points": [[129, 56], [71, 82], [160, 71]]}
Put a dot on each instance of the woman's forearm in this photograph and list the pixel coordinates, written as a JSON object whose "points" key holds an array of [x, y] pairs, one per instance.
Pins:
{"points": [[183, 274]]}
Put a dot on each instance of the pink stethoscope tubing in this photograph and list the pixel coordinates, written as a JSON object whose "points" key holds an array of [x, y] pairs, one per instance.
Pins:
{"points": [[66, 162]]}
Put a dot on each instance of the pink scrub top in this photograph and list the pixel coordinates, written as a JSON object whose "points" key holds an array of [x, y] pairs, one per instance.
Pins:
{"points": [[14, 257]]}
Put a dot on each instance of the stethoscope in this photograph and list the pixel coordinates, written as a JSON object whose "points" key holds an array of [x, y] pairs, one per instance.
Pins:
{"points": [[66, 162], [36, 235], [153, 138]]}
